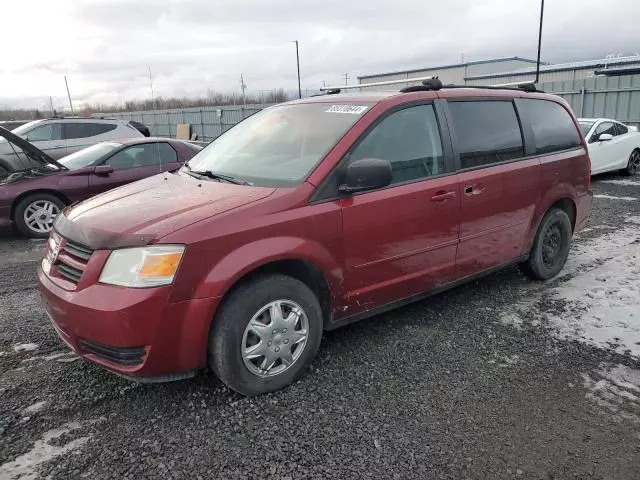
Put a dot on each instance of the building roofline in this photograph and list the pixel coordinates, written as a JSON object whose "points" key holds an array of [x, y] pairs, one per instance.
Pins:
{"points": [[453, 65], [599, 64]]}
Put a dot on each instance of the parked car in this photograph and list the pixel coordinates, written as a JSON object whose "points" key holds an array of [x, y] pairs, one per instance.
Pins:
{"points": [[58, 137], [11, 124], [32, 198], [311, 215], [612, 145]]}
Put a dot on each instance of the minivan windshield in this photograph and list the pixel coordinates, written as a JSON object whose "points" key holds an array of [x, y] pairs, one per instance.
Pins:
{"points": [[278, 146], [585, 127], [87, 156]]}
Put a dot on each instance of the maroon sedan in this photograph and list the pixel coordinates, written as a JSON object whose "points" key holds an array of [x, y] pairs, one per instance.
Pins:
{"points": [[33, 197]]}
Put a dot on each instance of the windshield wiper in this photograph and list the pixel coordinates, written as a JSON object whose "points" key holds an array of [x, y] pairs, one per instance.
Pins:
{"points": [[216, 176]]}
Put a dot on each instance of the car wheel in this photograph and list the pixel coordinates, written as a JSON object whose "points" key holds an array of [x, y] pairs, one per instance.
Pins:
{"points": [[633, 167], [35, 214], [550, 247], [265, 334]]}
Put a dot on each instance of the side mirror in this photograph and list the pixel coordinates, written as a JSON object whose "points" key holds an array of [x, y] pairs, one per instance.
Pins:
{"points": [[365, 174], [605, 137], [103, 170]]}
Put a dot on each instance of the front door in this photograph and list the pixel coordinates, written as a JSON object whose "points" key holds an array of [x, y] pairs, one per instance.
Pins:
{"points": [[48, 138], [604, 154], [401, 240], [499, 189], [134, 163]]}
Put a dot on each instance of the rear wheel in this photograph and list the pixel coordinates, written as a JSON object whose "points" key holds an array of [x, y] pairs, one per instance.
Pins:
{"points": [[265, 335], [633, 167], [550, 247], [35, 214]]}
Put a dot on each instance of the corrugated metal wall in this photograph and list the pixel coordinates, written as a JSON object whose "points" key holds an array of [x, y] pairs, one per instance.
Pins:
{"points": [[609, 97], [207, 122]]}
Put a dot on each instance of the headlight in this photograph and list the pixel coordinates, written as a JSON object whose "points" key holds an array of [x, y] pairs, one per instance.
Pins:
{"points": [[142, 267]]}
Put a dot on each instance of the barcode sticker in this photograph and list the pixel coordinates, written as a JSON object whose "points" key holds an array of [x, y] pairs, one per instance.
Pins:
{"points": [[353, 109]]}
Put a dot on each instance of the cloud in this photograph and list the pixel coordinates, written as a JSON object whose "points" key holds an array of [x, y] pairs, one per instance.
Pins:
{"points": [[106, 47]]}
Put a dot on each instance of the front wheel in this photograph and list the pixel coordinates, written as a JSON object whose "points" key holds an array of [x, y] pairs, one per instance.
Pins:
{"points": [[35, 214], [265, 335], [550, 247], [633, 166]]}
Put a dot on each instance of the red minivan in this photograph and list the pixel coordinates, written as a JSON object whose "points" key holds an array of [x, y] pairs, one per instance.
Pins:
{"points": [[310, 215]]}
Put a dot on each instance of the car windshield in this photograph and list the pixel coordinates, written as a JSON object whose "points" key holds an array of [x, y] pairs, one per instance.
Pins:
{"points": [[585, 127], [22, 129], [87, 156], [278, 146]]}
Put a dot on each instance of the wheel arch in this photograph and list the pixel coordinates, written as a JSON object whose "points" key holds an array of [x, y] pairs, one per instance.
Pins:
{"points": [[563, 200], [63, 198]]}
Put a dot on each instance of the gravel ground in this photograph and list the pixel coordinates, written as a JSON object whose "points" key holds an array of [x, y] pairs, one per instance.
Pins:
{"points": [[439, 389]]}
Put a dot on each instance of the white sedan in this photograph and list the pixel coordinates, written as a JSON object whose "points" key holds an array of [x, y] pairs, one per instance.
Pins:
{"points": [[612, 145]]}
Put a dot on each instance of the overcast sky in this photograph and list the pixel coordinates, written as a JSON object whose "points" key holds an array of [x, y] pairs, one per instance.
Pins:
{"points": [[105, 47]]}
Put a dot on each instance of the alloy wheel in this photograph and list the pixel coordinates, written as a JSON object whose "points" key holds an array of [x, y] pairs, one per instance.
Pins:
{"points": [[40, 215], [634, 163]]}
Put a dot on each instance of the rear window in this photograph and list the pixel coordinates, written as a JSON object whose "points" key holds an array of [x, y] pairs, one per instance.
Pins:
{"points": [[553, 127], [487, 132], [86, 129], [621, 129]]}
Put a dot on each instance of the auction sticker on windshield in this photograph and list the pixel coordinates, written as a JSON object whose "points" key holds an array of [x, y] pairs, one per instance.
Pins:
{"points": [[354, 109]]}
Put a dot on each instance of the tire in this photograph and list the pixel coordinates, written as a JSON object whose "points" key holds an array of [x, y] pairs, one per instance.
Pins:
{"points": [[231, 334], [47, 204], [550, 247], [633, 166]]}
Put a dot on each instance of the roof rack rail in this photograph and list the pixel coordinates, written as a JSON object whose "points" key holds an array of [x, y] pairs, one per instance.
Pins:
{"points": [[375, 84], [431, 84]]}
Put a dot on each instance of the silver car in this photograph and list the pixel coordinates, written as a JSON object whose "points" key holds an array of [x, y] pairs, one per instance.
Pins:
{"points": [[58, 137]]}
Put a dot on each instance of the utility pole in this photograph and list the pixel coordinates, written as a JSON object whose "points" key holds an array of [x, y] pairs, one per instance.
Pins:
{"points": [[243, 87], [346, 79], [153, 102], [298, 64], [68, 94], [53, 112], [539, 41]]}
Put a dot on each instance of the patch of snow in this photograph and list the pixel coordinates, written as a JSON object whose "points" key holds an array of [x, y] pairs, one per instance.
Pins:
{"points": [[616, 390], [612, 197], [634, 220], [35, 408], [597, 298], [25, 467], [628, 183], [25, 347]]}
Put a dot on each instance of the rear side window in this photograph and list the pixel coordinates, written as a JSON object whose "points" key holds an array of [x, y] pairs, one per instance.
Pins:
{"points": [[410, 140], [487, 132], [621, 129], [85, 130], [553, 127], [44, 133]]}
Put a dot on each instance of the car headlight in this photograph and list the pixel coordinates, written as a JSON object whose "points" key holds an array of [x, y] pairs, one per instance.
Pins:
{"points": [[142, 267]]}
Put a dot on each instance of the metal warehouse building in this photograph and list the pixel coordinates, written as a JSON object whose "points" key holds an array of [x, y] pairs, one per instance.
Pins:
{"points": [[511, 70]]}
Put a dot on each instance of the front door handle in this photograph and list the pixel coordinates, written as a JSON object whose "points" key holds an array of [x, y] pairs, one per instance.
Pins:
{"points": [[442, 196]]}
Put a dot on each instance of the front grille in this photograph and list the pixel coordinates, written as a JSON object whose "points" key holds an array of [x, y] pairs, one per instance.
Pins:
{"points": [[69, 273], [79, 251], [120, 355], [68, 259]]}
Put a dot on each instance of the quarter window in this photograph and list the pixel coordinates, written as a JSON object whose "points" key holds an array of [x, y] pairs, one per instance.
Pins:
{"points": [[621, 129], [86, 129], [410, 140], [553, 128], [487, 132]]}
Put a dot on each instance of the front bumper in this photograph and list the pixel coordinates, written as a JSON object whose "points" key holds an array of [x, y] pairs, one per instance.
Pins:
{"points": [[133, 332]]}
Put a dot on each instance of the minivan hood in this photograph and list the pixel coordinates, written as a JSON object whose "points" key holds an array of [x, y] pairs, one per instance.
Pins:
{"points": [[28, 148], [141, 212]]}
